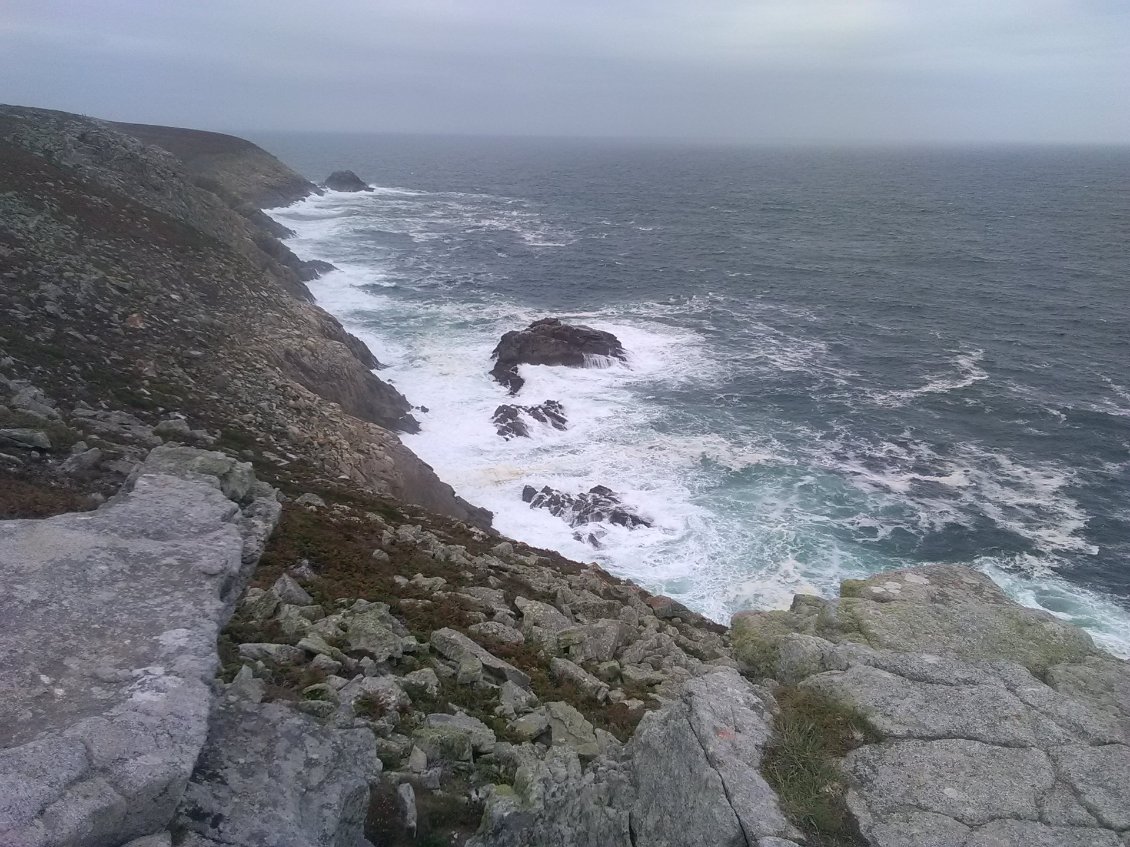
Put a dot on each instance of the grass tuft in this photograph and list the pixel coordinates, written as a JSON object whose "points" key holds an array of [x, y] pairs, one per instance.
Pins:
{"points": [[812, 733]]}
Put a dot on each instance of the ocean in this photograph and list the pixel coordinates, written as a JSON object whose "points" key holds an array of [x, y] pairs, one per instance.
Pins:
{"points": [[840, 361]]}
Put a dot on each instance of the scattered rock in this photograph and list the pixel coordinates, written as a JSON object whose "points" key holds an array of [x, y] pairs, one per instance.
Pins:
{"points": [[569, 728], [457, 646], [24, 439]]}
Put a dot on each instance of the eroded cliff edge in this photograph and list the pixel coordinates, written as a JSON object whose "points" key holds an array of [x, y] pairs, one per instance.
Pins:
{"points": [[126, 283], [396, 673]]}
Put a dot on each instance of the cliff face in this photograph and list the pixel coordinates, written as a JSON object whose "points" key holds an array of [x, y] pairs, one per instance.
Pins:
{"points": [[125, 283], [235, 166]]}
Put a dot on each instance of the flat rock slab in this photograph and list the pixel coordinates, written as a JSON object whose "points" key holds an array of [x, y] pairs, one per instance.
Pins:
{"points": [[110, 620], [271, 775]]}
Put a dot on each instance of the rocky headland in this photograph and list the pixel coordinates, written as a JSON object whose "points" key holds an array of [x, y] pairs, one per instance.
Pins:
{"points": [[238, 611]]}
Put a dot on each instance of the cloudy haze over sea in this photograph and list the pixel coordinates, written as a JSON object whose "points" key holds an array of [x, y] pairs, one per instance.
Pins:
{"points": [[771, 70]]}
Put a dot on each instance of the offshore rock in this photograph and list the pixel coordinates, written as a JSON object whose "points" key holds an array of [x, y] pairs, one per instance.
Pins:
{"points": [[346, 181], [109, 643], [551, 342], [599, 504], [508, 418]]}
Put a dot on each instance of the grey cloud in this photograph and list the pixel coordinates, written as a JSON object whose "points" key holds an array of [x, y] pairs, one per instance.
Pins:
{"points": [[762, 70]]}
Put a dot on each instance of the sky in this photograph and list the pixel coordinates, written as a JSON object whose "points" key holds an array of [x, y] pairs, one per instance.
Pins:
{"points": [[791, 71]]}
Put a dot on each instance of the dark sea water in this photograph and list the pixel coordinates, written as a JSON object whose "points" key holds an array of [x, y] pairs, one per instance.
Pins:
{"points": [[841, 361]]}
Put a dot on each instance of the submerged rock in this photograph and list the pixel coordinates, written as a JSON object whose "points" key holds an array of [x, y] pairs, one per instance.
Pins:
{"points": [[599, 504], [346, 181], [508, 418], [551, 342]]}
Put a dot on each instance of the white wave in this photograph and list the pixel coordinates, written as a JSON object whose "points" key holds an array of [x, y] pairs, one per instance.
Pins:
{"points": [[968, 372]]}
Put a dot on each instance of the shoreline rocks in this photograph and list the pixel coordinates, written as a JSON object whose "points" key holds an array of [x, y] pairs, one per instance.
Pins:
{"points": [[550, 342]]}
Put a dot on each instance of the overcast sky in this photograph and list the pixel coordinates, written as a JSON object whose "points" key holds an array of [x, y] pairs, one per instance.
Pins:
{"points": [[761, 70]]}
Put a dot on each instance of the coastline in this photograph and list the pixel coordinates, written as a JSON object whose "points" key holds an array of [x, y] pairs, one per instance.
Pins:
{"points": [[170, 378]]}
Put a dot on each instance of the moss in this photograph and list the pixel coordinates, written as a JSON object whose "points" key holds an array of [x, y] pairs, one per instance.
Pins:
{"points": [[852, 587], [812, 734]]}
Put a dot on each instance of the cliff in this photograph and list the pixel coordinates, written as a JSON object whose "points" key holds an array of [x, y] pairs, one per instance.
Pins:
{"points": [[124, 284], [239, 612]]}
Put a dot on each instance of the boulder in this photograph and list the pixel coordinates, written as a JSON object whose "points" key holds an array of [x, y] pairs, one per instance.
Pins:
{"points": [[24, 439], [569, 728], [551, 342], [585, 682], [234, 478], [289, 591], [457, 647], [346, 181], [482, 736], [369, 632]]}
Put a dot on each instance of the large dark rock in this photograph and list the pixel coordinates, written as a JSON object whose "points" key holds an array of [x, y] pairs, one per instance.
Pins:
{"points": [[508, 418], [597, 505], [551, 342], [346, 181]]}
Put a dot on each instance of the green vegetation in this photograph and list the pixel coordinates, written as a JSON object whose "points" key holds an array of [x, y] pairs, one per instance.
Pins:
{"points": [[812, 733]]}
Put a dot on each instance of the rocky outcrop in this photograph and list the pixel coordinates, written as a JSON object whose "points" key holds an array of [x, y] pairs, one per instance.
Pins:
{"points": [[551, 342], [346, 181], [271, 775], [1005, 718], [688, 777], [110, 626], [508, 418]]}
